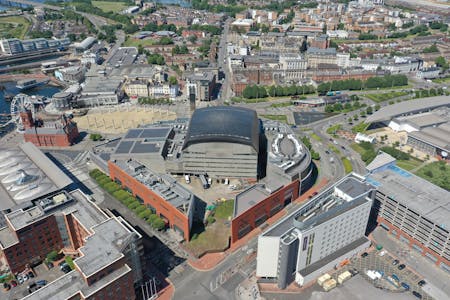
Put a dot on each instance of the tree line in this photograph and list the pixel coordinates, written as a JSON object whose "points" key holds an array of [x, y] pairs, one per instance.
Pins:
{"points": [[357, 84], [259, 91]]}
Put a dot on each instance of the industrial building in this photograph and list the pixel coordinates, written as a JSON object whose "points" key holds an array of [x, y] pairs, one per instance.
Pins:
{"points": [[412, 209], [37, 215], [60, 133], [318, 236]]}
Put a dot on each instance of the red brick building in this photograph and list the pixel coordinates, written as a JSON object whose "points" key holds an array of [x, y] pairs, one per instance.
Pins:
{"points": [[248, 216], [177, 213], [61, 133]]}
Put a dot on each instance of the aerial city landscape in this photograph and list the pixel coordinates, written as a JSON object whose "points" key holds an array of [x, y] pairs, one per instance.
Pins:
{"points": [[224, 149]]}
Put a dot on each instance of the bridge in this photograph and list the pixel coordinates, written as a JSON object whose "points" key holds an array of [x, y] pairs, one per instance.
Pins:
{"points": [[98, 21]]}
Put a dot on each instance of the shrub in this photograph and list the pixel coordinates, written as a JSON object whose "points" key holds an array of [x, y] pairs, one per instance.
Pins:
{"points": [[145, 214], [112, 187], [133, 205], [69, 261], [129, 200], [158, 223], [121, 195], [397, 154], [52, 255], [210, 220], [140, 209]]}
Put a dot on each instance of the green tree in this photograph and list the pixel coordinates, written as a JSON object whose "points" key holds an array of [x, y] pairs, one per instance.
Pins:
{"points": [[173, 80], [441, 62], [52, 255], [193, 39], [158, 223]]}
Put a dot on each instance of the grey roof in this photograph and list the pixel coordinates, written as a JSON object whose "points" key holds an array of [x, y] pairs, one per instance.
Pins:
{"points": [[408, 107], [223, 124], [27, 174], [143, 141], [382, 159], [249, 198], [421, 196], [438, 137]]}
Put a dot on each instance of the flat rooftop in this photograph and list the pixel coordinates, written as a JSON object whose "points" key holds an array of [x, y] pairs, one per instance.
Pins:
{"points": [[143, 141], [438, 137], [124, 56], [408, 107], [100, 250], [249, 198], [27, 174], [425, 198], [162, 184], [74, 203], [322, 207]]}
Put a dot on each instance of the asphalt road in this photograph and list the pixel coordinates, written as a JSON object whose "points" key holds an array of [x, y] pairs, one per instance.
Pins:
{"points": [[225, 93]]}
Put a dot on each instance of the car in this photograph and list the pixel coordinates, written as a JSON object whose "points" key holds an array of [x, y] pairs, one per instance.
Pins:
{"points": [[41, 282], [365, 254], [418, 295], [30, 274], [62, 265], [421, 283], [401, 267], [6, 286], [395, 262], [20, 279], [66, 269], [13, 283], [405, 286], [343, 147], [49, 265], [327, 152]]}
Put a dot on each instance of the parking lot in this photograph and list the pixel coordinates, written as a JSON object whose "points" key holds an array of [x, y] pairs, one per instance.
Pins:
{"points": [[41, 273], [383, 262]]}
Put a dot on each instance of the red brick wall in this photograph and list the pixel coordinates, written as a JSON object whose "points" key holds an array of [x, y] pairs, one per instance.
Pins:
{"points": [[247, 220], [76, 232], [35, 242], [325, 77], [42, 140], [412, 241], [162, 207]]}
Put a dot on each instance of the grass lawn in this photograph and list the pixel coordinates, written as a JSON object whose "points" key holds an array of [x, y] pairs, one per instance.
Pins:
{"points": [[442, 80], [215, 237], [315, 136], [282, 104], [347, 165], [131, 42], [410, 164], [14, 26], [385, 96], [106, 6], [281, 118], [437, 173], [334, 149], [224, 209], [358, 148]]}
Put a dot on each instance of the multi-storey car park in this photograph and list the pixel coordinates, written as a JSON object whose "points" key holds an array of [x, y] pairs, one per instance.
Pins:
{"points": [[220, 143], [414, 210], [317, 236], [38, 215]]}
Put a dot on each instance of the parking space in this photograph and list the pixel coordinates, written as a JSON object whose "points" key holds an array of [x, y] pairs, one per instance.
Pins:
{"points": [[40, 273], [396, 276]]}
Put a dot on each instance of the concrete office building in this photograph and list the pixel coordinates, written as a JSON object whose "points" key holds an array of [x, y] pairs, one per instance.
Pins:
{"points": [[412, 209], [222, 142], [318, 236], [16, 46]]}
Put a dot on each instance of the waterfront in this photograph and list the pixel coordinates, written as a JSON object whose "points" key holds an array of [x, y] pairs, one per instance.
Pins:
{"points": [[10, 89]]}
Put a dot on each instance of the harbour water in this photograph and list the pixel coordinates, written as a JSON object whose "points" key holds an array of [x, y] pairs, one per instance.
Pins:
{"points": [[10, 89]]}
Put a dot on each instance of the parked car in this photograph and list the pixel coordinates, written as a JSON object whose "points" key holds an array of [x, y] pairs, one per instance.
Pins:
{"points": [[41, 282], [62, 265], [421, 283], [6, 286], [365, 254], [66, 269], [13, 283], [401, 267], [49, 265], [395, 262], [30, 274], [405, 286], [418, 295]]}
